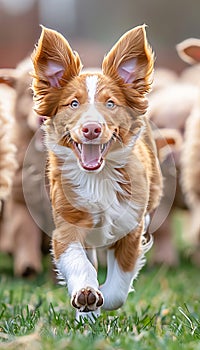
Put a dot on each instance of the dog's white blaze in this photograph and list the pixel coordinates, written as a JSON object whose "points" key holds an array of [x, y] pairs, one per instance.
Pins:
{"points": [[91, 84]]}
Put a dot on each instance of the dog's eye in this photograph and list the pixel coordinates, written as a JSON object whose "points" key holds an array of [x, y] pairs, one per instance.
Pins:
{"points": [[74, 104], [110, 104]]}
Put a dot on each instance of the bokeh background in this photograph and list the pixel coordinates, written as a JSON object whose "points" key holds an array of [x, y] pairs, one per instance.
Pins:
{"points": [[92, 26]]}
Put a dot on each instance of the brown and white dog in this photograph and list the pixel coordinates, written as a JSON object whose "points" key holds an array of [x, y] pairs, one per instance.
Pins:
{"points": [[104, 174]]}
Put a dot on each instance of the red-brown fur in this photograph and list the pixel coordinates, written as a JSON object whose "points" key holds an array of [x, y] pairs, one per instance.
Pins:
{"points": [[54, 93]]}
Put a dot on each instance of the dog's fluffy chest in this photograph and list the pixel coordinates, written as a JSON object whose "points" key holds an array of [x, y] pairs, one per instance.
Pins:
{"points": [[99, 195]]}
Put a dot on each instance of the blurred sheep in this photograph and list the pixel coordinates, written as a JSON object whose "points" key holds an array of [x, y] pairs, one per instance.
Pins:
{"points": [[8, 162], [170, 106], [189, 51], [27, 213]]}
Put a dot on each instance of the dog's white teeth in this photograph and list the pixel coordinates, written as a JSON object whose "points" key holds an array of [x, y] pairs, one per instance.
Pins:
{"points": [[103, 147], [79, 147]]}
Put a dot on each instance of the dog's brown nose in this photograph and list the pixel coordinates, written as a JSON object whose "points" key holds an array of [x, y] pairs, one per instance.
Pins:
{"points": [[91, 130]]}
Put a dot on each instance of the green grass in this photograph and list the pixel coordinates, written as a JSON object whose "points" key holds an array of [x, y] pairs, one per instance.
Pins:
{"points": [[162, 313]]}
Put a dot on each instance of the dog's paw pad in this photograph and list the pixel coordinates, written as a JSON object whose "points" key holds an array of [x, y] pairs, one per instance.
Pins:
{"points": [[87, 299]]}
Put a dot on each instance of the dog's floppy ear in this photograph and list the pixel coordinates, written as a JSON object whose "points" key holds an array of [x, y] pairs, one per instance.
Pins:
{"points": [[189, 50], [131, 59], [55, 64]]}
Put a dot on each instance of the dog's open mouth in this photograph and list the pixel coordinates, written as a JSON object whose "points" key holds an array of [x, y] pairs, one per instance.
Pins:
{"points": [[91, 155]]}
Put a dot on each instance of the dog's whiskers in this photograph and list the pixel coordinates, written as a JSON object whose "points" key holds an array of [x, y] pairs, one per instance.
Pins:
{"points": [[67, 137], [116, 137]]}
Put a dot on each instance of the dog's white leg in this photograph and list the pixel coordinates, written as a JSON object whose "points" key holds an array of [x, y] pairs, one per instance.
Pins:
{"points": [[117, 285], [120, 276], [81, 278]]}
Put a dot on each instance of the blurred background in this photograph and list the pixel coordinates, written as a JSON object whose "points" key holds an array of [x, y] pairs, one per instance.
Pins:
{"points": [[92, 26]]}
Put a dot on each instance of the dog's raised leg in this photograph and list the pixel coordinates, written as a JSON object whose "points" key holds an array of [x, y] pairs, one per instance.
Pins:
{"points": [[125, 259], [80, 276]]}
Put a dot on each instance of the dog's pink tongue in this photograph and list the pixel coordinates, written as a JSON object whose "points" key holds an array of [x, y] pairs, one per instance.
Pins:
{"points": [[91, 156]]}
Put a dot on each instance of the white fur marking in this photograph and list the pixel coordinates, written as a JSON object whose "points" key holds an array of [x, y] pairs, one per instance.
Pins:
{"points": [[119, 283], [98, 194], [91, 83], [91, 115], [75, 268]]}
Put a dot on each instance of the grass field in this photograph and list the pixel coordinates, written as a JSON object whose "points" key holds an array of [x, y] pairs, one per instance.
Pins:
{"points": [[162, 313]]}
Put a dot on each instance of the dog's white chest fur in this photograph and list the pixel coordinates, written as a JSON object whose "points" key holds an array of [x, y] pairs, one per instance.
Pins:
{"points": [[98, 194]]}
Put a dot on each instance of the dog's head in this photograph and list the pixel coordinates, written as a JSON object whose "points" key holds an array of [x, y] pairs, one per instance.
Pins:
{"points": [[92, 113]]}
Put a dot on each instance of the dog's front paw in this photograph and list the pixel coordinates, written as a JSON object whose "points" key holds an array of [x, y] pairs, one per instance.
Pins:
{"points": [[87, 299]]}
